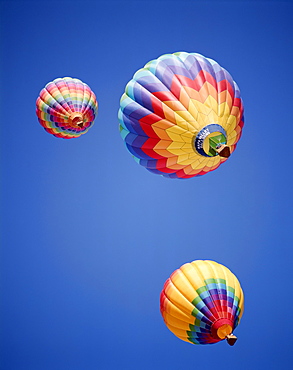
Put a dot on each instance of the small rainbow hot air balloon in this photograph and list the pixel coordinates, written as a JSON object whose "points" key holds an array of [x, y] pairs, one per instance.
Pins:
{"points": [[181, 115], [66, 107], [202, 303]]}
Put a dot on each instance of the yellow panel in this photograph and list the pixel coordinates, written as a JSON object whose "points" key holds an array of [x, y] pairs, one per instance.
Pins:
{"points": [[211, 163], [188, 147], [178, 299], [181, 122], [181, 282], [232, 138], [192, 109], [198, 163], [202, 109], [216, 161], [221, 105], [193, 155], [188, 139], [176, 130], [176, 151], [179, 333], [182, 325], [212, 103], [172, 310], [184, 116], [175, 145], [204, 117], [230, 124], [175, 137], [189, 135], [169, 114], [227, 111], [191, 272], [213, 117], [184, 160]]}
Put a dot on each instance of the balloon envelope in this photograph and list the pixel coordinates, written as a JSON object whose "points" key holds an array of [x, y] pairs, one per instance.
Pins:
{"points": [[181, 115], [202, 302], [66, 107]]}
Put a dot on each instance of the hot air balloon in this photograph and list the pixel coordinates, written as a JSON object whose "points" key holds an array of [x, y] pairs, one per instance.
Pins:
{"points": [[66, 107], [202, 303], [181, 115]]}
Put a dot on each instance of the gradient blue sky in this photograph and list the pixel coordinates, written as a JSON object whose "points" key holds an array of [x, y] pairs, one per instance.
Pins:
{"points": [[89, 236]]}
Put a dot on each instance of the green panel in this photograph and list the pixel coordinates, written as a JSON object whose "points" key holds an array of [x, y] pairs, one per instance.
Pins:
{"points": [[230, 289], [210, 281], [195, 312], [202, 289], [196, 301]]}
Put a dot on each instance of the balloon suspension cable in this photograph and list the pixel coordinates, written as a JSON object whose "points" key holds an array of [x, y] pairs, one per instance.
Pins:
{"points": [[231, 339], [223, 151]]}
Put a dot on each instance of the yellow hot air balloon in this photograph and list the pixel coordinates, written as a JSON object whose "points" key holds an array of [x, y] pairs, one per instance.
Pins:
{"points": [[202, 303]]}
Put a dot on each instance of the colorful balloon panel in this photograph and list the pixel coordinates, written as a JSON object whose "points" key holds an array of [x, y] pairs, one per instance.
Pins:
{"points": [[178, 113], [66, 107], [202, 302]]}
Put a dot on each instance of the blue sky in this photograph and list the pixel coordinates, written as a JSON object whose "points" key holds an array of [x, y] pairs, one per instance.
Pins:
{"points": [[89, 236]]}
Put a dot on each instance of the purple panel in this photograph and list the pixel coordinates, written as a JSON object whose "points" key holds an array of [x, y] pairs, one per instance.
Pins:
{"points": [[153, 82], [150, 164], [129, 108], [142, 96], [133, 125], [139, 113], [165, 75], [157, 172], [208, 302], [170, 175], [206, 66], [230, 301], [137, 152], [205, 311], [220, 75], [193, 66], [177, 69]]}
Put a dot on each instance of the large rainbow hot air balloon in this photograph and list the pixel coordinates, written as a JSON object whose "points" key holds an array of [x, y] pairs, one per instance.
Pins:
{"points": [[66, 107], [202, 303], [181, 115]]}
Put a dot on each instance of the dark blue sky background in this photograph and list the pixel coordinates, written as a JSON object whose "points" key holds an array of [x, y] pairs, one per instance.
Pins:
{"points": [[89, 236]]}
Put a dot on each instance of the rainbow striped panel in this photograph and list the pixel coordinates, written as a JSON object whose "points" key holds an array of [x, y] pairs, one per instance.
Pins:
{"points": [[202, 302], [175, 113], [66, 107]]}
